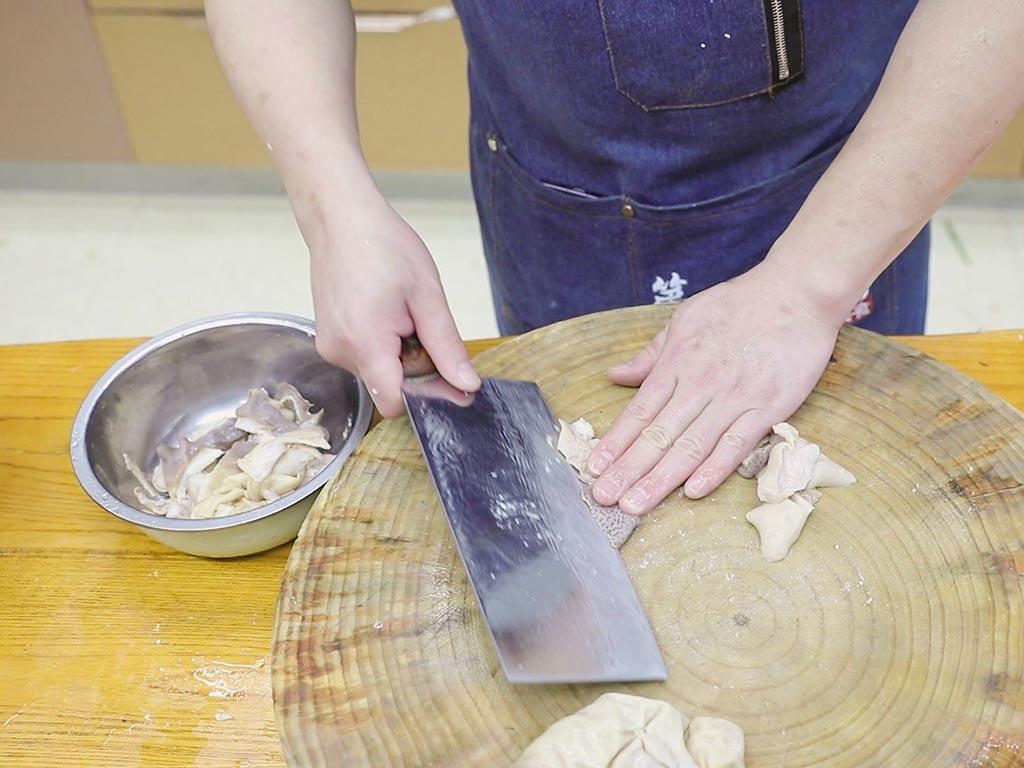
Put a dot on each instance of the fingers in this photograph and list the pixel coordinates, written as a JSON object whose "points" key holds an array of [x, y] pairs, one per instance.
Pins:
{"points": [[652, 443], [381, 372], [375, 361], [654, 394], [709, 450], [687, 452], [436, 330], [734, 446], [633, 372]]}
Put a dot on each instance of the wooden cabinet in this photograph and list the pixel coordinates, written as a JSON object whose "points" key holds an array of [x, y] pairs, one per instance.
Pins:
{"points": [[411, 89], [56, 101]]}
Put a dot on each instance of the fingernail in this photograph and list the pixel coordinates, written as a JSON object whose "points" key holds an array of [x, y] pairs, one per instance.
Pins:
{"points": [[608, 488], [468, 375], [598, 463], [695, 486], [622, 366], [633, 498]]}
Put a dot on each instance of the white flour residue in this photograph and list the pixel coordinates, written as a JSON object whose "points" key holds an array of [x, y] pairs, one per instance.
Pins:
{"points": [[228, 680]]}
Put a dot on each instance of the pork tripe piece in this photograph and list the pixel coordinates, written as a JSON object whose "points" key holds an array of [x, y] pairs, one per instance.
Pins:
{"points": [[260, 415], [779, 524], [575, 441], [757, 459], [615, 731], [790, 466], [829, 474], [786, 480], [145, 486], [163, 506], [228, 464], [173, 459], [199, 463], [715, 743], [267, 450], [302, 410], [221, 435], [259, 462], [617, 525], [313, 436], [826, 473], [302, 461], [211, 502], [276, 486]]}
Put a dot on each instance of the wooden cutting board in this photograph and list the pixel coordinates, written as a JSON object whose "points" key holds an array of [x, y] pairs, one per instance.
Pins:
{"points": [[892, 635]]}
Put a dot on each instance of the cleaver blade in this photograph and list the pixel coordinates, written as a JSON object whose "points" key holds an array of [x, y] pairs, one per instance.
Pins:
{"points": [[554, 593]]}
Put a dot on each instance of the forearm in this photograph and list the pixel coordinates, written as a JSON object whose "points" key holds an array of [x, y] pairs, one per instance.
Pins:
{"points": [[954, 81], [291, 65]]}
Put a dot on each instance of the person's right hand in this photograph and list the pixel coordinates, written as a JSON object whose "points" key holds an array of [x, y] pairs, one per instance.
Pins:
{"points": [[374, 282]]}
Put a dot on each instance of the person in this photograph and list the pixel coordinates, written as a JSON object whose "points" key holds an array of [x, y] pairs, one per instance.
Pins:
{"points": [[771, 163]]}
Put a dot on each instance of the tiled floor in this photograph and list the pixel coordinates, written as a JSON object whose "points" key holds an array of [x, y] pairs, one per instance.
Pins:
{"points": [[78, 265]]}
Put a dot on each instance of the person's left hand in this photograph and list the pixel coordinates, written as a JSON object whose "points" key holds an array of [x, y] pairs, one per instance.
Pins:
{"points": [[734, 360]]}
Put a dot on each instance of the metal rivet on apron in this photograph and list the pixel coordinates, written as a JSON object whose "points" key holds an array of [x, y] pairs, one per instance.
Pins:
{"points": [[627, 209], [492, 142]]}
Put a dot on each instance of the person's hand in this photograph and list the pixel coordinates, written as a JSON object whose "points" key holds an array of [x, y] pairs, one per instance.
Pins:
{"points": [[734, 360], [374, 282]]}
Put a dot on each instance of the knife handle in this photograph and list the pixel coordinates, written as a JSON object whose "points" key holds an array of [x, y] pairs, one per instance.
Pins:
{"points": [[416, 362]]}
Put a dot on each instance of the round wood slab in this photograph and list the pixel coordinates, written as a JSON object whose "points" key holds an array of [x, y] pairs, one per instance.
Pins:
{"points": [[892, 635]]}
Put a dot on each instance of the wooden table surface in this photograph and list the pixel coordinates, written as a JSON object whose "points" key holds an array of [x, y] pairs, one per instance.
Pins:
{"points": [[117, 651]]}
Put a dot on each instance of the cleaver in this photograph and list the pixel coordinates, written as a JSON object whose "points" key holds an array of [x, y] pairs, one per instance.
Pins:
{"points": [[554, 593]]}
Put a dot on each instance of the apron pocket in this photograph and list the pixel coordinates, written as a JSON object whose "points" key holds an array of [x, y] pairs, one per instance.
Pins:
{"points": [[553, 251], [679, 54]]}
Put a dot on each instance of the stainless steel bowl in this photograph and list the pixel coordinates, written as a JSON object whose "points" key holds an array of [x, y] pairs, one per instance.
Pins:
{"points": [[196, 374]]}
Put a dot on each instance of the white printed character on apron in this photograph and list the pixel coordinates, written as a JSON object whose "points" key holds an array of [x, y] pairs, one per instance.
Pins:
{"points": [[668, 291]]}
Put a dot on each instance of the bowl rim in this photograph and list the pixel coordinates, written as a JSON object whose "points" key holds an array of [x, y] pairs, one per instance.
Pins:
{"points": [[98, 493]]}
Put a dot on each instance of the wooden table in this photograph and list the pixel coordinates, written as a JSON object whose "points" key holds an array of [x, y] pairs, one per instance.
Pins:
{"points": [[117, 651]]}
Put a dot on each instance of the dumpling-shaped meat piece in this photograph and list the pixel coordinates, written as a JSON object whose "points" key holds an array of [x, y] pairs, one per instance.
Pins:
{"points": [[615, 731], [779, 524], [790, 466], [715, 743], [829, 474]]}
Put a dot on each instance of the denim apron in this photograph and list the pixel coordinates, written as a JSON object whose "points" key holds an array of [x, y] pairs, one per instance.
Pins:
{"points": [[629, 152]]}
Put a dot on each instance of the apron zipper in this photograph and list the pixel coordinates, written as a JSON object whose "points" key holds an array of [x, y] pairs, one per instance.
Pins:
{"points": [[779, 31]]}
